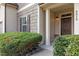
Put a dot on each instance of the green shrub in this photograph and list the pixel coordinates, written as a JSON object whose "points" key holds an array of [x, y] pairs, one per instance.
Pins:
{"points": [[18, 43], [73, 49], [66, 45]]}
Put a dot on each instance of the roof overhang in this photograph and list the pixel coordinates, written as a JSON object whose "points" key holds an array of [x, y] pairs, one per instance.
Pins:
{"points": [[14, 5], [51, 5]]}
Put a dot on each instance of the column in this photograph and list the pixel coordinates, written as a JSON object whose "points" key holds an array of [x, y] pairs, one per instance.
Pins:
{"points": [[48, 27]]}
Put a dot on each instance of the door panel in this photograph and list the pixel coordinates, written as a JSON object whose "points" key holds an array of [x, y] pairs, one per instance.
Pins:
{"points": [[66, 26]]}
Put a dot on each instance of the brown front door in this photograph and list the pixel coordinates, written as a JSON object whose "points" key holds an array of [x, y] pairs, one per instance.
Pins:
{"points": [[66, 26]]}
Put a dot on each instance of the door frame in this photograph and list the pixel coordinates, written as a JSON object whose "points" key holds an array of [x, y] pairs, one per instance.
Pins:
{"points": [[72, 21]]}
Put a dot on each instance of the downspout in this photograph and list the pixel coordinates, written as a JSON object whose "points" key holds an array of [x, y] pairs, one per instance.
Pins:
{"points": [[17, 21]]}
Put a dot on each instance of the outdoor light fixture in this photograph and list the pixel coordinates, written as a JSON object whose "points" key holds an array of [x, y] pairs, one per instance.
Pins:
{"points": [[57, 18]]}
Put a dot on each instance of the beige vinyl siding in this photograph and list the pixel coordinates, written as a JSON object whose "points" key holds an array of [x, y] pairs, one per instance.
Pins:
{"points": [[32, 11]]}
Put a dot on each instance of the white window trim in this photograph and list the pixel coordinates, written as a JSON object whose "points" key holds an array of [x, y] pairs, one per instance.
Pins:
{"points": [[25, 7]]}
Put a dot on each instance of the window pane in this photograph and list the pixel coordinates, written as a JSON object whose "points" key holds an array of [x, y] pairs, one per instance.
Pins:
{"points": [[24, 20], [69, 14], [24, 28]]}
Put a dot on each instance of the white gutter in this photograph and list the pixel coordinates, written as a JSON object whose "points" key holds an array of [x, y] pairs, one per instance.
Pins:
{"points": [[25, 7]]}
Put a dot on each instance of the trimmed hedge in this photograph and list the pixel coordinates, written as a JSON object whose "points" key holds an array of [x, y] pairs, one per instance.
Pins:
{"points": [[73, 49], [67, 45], [18, 43]]}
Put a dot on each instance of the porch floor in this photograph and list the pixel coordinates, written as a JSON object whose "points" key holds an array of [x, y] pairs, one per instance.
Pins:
{"points": [[43, 52], [47, 47], [46, 51]]}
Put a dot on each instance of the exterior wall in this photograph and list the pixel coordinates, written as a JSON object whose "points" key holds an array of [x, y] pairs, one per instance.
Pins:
{"points": [[57, 24], [42, 24], [11, 19], [2, 17], [33, 12], [76, 18], [52, 26]]}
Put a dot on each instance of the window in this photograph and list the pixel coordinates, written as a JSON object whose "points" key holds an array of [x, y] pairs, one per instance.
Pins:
{"points": [[24, 24], [64, 15]]}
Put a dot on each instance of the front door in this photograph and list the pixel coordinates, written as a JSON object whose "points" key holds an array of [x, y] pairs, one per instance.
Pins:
{"points": [[66, 24]]}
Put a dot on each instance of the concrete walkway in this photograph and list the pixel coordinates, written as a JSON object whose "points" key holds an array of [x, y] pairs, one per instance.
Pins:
{"points": [[43, 52]]}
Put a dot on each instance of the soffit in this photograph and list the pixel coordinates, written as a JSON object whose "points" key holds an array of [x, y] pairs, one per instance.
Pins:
{"points": [[63, 8]]}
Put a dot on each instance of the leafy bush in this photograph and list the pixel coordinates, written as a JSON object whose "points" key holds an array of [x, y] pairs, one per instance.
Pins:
{"points": [[66, 45], [73, 49], [18, 43]]}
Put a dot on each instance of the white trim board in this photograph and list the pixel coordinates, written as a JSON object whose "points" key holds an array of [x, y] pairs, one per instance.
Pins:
{"points": [[25, 7], [38, 24]]}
